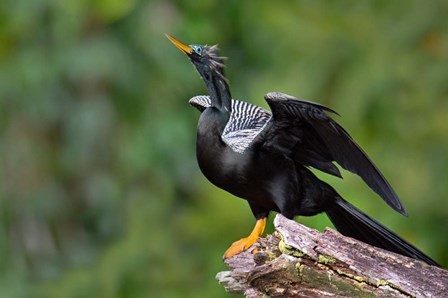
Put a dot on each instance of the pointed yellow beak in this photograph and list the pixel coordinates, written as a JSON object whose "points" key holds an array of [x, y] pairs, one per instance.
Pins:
{"points": [[181, 46]]}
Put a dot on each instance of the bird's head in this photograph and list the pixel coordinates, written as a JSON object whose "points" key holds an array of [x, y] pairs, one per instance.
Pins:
{"points": [[204, 58]]}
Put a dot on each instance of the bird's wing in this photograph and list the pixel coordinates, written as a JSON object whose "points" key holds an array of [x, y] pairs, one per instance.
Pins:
{"points": [[245, 123], [242, 116], [200, 102], [316, 140], [246, 116]]}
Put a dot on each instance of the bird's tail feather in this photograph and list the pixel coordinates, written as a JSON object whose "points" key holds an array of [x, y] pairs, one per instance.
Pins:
{"points": [[352, 222]]}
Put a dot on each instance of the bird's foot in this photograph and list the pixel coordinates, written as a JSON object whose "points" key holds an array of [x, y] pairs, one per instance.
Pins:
{"points": [[239, 246], [244, 243]]}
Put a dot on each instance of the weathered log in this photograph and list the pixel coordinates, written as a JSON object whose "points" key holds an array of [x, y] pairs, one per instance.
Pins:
{"points": [[296, 261]]}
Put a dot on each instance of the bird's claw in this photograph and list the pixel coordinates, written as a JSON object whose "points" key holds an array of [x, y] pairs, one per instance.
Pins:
{"points": [[239, 246]]}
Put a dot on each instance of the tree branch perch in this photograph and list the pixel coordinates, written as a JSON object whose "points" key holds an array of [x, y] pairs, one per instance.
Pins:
{"points": [[296, 261]]}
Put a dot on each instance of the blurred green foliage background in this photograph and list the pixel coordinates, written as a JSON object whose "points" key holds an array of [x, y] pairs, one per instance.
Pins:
{"points": [[100, 194]]}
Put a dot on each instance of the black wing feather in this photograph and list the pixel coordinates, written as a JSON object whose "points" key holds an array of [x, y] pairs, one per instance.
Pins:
{"points": [[318, 133]]}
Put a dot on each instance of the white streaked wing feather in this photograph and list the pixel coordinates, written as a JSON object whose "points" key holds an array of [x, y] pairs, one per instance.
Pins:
{"points": [[245, 123]]}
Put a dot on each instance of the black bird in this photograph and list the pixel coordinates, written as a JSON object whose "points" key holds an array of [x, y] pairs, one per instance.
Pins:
{"points": [[265, 158]]}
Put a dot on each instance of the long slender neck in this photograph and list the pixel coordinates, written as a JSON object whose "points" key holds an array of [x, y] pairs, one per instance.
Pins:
{"points": [[219, 92], [214, 119]]}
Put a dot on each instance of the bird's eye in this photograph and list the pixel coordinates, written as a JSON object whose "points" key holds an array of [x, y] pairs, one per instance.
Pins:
{"points": [[198, 50]]}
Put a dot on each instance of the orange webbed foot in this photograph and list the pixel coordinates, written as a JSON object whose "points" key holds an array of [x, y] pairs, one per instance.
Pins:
{"points": [[239, 246], [245, 243]]}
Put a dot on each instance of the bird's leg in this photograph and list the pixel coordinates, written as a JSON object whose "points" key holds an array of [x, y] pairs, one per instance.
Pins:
{"points": [[244, 243]]}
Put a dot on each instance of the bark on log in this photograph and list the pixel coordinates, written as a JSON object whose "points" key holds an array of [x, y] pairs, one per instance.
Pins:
{"points": [[296, 261]]}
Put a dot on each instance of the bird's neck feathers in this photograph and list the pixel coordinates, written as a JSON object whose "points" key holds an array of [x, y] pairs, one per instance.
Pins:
{"points": [[212, 72], [215, 117], [219, 92]]}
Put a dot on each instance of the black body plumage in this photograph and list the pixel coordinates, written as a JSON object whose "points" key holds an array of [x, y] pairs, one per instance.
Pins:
{"points": [[265, 157]]}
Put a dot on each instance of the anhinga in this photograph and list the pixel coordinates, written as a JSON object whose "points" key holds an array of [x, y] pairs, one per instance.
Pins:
{"points": [[265, 158]]}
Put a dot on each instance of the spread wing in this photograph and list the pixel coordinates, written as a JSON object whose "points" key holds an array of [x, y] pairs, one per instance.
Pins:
{"points": [[245, 123], [316, 140]]}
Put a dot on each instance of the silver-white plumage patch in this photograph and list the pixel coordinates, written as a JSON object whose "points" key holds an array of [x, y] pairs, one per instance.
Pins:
{"points": [[245, 123]]}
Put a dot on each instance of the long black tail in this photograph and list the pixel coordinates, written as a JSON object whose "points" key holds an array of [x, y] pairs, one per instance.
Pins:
{"points": [[352, 222]]}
